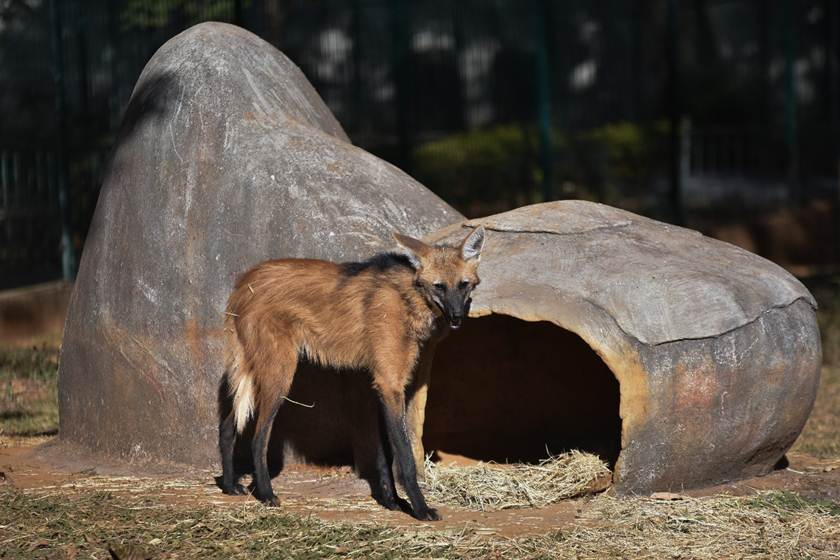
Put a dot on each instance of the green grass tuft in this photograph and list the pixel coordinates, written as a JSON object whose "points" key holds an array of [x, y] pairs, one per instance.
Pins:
{"points": [[789, 502], [28, 392]]}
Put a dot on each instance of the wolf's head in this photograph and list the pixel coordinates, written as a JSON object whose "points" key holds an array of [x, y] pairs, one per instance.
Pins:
{"points": [[446, 274]]}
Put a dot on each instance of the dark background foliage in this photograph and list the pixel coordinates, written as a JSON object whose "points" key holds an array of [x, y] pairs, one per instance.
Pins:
{"points": [[717, 114]]}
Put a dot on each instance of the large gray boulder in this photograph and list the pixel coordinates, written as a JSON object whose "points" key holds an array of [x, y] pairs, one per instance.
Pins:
{"points": [[226, 157], [716, 350]]}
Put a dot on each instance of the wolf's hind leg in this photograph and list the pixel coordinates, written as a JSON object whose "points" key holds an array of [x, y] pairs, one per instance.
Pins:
{"points": [[259, 451], [227, 437], [275, 382]]}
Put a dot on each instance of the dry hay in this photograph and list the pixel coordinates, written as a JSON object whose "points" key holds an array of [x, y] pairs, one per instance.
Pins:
{"points": [[767, 525], [86, 523], [183, 518], [492, 486]]}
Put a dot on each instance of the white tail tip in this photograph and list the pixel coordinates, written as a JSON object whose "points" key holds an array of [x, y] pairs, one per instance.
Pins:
{"points": [[243, 402]]}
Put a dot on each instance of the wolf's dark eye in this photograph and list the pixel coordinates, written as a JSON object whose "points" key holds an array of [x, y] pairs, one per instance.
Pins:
{"points": [[463, 284], [440, 286]]}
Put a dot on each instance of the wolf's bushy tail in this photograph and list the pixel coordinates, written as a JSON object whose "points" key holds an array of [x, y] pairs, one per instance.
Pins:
{"points": [[241, 384]]}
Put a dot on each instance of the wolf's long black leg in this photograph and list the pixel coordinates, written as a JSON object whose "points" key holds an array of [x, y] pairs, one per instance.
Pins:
{"points": [[395, 422], [227, 437], [259, 449], [371, 451], [385, 492]]}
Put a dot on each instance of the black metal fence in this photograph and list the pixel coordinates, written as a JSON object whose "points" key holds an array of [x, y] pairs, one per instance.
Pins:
{"points": [[30, 230], [491, 103]]}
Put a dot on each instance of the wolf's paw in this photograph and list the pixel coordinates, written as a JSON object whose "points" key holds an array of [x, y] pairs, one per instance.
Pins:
{"points": [[390, 504], [395, 504], [270, 501], [234, 490], [429, 514]]}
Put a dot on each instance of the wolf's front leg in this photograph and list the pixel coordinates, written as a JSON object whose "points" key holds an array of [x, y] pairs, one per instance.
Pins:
{"points": [[393, 404]]}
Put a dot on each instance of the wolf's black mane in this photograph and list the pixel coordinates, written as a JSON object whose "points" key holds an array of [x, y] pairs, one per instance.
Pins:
{"points": [[380, 263]]}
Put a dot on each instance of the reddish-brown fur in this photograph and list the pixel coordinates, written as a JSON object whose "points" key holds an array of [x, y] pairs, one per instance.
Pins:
{"points": [[374, 316]]}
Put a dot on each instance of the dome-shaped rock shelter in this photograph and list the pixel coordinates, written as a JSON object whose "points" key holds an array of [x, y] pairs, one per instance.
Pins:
{"points": [[686, 360], [716, 350]]}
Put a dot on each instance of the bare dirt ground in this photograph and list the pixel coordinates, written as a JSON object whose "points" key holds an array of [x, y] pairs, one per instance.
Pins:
{"points": [[331, 494], [336, 494]]}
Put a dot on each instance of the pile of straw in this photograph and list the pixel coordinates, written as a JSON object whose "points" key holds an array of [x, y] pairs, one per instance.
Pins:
{"points": [[491, 486]]}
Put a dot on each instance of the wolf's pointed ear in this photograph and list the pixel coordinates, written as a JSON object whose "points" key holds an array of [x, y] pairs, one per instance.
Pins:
{"points": [[412, 248], [473, 244]]}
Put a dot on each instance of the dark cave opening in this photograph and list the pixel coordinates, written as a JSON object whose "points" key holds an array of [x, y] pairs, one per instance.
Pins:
{"points": [[508, 390]]}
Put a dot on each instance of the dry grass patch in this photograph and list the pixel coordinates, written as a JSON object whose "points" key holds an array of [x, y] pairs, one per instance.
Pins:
{"points": [[491, 486], [28, 392], [93, 523], [826, 291], [769, 525], [821, 436]]}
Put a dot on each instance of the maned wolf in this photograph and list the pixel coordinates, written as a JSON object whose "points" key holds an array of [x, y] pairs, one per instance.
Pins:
{"points": [[375, 315]]}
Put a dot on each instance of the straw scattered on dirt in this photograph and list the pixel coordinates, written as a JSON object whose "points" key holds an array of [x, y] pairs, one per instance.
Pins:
{"points": [[769, 525], [491, 486], [88, 523]]}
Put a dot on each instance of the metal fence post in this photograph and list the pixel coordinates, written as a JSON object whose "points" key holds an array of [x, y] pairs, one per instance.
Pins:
{"points": [[674, 90], [238, 17], [4, 180], [791, 140], [543, 75], [401, 59], [68, 258]]}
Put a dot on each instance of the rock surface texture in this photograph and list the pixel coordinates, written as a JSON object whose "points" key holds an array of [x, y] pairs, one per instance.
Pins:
{"points": [[226, 157], [716, 350]]}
